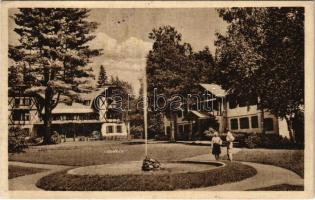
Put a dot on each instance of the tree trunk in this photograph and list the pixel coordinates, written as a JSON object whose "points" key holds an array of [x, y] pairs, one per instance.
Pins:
{"points": [[173, 127], [48, 115], [262, 124], [262, 117], [290, 129]]}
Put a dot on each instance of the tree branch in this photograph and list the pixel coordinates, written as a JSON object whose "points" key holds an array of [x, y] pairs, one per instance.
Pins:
{"points": [[56, 101]]}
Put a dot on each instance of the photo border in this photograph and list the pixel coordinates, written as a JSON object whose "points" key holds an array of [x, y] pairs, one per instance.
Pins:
{"points": [[309, 102]]}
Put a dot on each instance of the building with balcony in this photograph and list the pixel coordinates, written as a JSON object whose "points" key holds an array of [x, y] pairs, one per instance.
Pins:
{"points": [[95, 111]]}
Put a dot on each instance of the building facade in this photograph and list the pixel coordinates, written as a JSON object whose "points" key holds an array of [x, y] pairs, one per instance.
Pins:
{"points": [[224, 112], [95, 111]]}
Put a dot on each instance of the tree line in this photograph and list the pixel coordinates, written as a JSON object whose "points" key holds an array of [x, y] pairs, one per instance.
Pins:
{"points": [[261, 56]]}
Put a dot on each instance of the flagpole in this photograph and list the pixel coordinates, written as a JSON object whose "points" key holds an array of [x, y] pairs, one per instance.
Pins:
{"points": [[145, 112]]}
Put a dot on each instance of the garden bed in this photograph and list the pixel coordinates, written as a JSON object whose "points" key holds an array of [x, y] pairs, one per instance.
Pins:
{"points": [[62, 181]]}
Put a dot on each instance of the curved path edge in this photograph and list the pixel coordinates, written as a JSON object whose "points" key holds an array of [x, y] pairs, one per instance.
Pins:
{"points": [[28, 182], [267, 175]]}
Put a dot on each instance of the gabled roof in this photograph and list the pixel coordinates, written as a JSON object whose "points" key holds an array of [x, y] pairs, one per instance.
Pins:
{"points": [[74, 108], [200, 115], [91, 95], [214, 89]]}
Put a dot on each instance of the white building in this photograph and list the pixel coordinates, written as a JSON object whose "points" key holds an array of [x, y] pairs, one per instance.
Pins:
{"points": [[226, 112]]}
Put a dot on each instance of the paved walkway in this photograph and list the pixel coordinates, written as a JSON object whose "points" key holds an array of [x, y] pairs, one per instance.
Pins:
{"points": [[267, 175], [28, 182]]}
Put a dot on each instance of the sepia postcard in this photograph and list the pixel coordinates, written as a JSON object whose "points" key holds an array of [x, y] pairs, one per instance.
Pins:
{"points": [[157, 99]]}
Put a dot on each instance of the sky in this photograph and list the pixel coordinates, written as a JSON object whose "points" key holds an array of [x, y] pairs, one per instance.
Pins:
{"points": [[123, 34]]}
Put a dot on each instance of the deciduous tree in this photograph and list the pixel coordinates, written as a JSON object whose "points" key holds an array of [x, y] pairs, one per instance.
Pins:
{"points": [[262, 55]]}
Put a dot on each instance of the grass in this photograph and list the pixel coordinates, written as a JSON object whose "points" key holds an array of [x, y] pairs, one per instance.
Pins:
{"points": [[16, 171], [104, 152], [231, 172], [281, 187], [289, 159]]}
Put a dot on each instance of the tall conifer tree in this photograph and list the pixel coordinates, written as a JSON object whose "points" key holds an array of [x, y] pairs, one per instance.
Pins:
{"points": [[54, 52]]}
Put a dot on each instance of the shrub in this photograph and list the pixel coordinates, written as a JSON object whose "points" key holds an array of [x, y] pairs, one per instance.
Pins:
{"points": [[36, 140], [136, 131], [252, 141], [275, 142], [258, 140], [17, 139], [97, 135], [55, 138], [240, 139], [161, 137]]}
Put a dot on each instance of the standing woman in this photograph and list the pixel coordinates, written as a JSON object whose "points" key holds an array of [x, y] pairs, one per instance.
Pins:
{"points": [[216, 143], [229, 138]]}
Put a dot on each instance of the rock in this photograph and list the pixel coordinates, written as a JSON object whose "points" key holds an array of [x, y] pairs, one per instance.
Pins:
{"points": [[150, 164]]}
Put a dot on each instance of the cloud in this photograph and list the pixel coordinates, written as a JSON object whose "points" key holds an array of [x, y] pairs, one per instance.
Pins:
{"points": [[127, 59], [131, 48]]}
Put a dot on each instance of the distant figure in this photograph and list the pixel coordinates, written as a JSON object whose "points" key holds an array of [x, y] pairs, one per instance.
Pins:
{"points": [[216, 143], [229, 138]]}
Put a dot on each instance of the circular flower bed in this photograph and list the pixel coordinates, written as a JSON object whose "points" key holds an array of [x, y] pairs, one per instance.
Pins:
{"points": [[231, 172]]}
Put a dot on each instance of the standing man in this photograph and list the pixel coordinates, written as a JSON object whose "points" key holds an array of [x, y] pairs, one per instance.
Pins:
{"points": [[229, 138]]}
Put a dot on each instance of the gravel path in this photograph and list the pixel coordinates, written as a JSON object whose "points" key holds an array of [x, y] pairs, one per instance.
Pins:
{"points": [[28, 182], [267, 175]]}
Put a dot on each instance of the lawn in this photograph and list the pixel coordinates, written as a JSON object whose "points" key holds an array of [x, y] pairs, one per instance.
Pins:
{"points": [[289, 159], [231, 172], [16, 171], [103, 152]]}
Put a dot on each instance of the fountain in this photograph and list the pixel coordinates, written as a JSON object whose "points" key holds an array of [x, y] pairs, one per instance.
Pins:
{"points": [[148, 164]]}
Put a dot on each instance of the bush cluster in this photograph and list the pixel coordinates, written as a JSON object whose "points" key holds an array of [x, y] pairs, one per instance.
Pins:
{"points": [[257, 140], [17, 139]]}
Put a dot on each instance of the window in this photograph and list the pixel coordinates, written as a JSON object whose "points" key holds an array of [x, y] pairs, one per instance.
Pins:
{"points": [[168, 130], [26, 101], [234, 124], [87, 102], [27, 116], [232, 103], [215, 105], [268, 124], [244, 123], [187, 128], [17, 102], [253, 101], [179, 114], [16, 116], [119, 130], [181, 129], [254, 121], [110, 129], [20, 115], [242, 102]]}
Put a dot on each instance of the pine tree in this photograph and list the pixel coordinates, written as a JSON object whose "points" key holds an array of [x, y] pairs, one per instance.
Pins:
{"points": [[53, 48], [14, 78], [102, 78]]}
